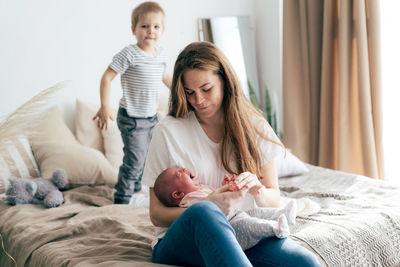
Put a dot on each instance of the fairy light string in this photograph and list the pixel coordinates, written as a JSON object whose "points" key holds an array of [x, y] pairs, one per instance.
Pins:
{"points": [[5, 251]]}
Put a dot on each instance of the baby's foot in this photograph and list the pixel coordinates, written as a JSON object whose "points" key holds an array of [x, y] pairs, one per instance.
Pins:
{"points": [[290, 212], [282, 229]]}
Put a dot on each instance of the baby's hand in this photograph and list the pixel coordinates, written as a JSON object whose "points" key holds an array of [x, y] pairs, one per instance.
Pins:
{"points": [[230, 181], [225, 200]]}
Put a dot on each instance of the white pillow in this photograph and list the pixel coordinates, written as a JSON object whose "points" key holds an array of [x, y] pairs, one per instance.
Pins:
{"points": [[290, 165], [86, 130], [54, 146], [16, 159], [83, 165], [52, 127], [163, 103]]}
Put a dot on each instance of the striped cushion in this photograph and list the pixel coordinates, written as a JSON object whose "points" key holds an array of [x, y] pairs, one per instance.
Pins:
{"points": [[16, 159]]}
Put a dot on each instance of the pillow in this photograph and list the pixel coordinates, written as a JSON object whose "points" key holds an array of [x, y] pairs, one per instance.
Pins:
{"points": [[16, 159], [88, 134], [107, 141], [163, 103], [86, 130], [113, 145], [53, 128], [84, 165], [290, 165]]}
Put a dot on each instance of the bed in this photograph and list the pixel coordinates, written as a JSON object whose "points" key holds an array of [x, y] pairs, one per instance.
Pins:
{"points": [[356, 222]]}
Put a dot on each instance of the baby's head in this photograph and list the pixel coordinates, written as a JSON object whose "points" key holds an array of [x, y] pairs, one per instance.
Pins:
{"points": [[173, 184], [145, 13]]}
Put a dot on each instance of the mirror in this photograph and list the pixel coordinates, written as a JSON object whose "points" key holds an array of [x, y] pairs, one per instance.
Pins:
{"points": [[235, 37]]}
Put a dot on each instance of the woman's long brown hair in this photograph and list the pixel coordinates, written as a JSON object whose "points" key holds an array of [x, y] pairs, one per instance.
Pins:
{"points": [[239, 135]]}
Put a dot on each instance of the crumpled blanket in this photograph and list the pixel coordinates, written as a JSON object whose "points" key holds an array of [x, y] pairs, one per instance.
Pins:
{"points": [[87, 230], [359, 220]]}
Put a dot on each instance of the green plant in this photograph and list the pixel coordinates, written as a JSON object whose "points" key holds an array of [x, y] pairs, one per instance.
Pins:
{"points": [[271, 107], [253, 97], [271, 113]]}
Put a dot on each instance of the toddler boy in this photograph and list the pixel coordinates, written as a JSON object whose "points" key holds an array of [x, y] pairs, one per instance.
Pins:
{"points": [[142, 67]]}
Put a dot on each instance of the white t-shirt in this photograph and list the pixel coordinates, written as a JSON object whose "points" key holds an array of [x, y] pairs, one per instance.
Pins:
{"points": [[182, 142]]}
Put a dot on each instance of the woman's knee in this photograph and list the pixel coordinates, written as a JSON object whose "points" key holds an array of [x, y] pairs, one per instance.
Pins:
{"points": [[306, 258], [203, 209], [297, 255], [204, 217], [205, 212], [281, 252]]}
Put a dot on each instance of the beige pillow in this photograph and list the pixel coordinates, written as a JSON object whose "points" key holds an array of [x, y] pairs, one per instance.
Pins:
{"points": [[53, 128], [86, 130], [88, 133], [16, 159], [163, 103], [113, 145], [84, 165], [109, 142]]}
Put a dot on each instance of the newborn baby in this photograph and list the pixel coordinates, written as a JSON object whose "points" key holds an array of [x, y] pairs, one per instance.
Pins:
{"points": [[179, 187]]}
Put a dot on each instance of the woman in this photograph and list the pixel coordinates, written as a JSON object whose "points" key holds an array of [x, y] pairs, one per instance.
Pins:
{"points": [[212, 129]]}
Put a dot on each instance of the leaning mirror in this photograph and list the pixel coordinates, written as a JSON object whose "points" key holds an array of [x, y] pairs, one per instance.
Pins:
{"points": [[235, 37]]}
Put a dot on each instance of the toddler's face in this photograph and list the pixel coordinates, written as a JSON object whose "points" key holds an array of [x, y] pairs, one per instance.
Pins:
{"points": [[149, 29], [184, 180]]}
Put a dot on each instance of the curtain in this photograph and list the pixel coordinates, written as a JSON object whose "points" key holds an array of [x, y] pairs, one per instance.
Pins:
{"points": [[332, 85]]}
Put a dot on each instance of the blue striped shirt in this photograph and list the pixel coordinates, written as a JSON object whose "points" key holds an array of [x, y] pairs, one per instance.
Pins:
{"points": [[141, 79]]}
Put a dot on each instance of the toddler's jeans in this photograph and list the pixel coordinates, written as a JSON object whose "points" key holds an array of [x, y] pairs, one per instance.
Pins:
{"points": [[136, 135]]}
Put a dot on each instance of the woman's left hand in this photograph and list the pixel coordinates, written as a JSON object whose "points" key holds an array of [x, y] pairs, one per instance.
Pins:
{"points": [[249, 180], [227, 200]]}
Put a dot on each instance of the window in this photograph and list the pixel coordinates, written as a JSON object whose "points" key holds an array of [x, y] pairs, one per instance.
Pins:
{"points": [[390, 45]]}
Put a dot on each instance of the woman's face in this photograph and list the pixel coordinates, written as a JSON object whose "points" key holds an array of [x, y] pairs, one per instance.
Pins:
{"points": [[204, 91]]}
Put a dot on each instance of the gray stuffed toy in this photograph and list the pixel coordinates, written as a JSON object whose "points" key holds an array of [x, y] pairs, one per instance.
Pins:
{"points": [[38, 190]]}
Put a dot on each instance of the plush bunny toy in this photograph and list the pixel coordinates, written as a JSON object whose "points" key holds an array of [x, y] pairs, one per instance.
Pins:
{"points": [[38, 190]]}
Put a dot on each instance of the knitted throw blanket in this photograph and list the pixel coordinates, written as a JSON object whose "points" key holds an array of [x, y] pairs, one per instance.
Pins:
{"points": [[359, 220]]}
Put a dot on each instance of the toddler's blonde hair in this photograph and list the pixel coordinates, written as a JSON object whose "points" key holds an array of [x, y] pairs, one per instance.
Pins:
{"points": [[144, 8]]}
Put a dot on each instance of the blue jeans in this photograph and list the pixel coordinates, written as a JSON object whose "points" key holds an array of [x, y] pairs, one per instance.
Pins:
{"points": [[136, 134], [202, 236]]}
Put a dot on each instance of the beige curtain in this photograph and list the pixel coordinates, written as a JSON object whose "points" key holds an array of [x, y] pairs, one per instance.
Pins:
{"points": [[331, 84]]}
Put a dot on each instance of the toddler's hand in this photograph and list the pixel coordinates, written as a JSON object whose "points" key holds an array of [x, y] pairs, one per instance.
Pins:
{"points": [[102, 117]]}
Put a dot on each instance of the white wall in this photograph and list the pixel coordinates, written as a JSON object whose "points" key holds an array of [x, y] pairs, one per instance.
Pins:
{"points": [[268, 32], [47, 41]]}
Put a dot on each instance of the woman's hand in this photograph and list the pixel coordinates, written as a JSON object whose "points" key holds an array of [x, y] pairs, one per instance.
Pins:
{"points": [[226, 200], [251, 181]]}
